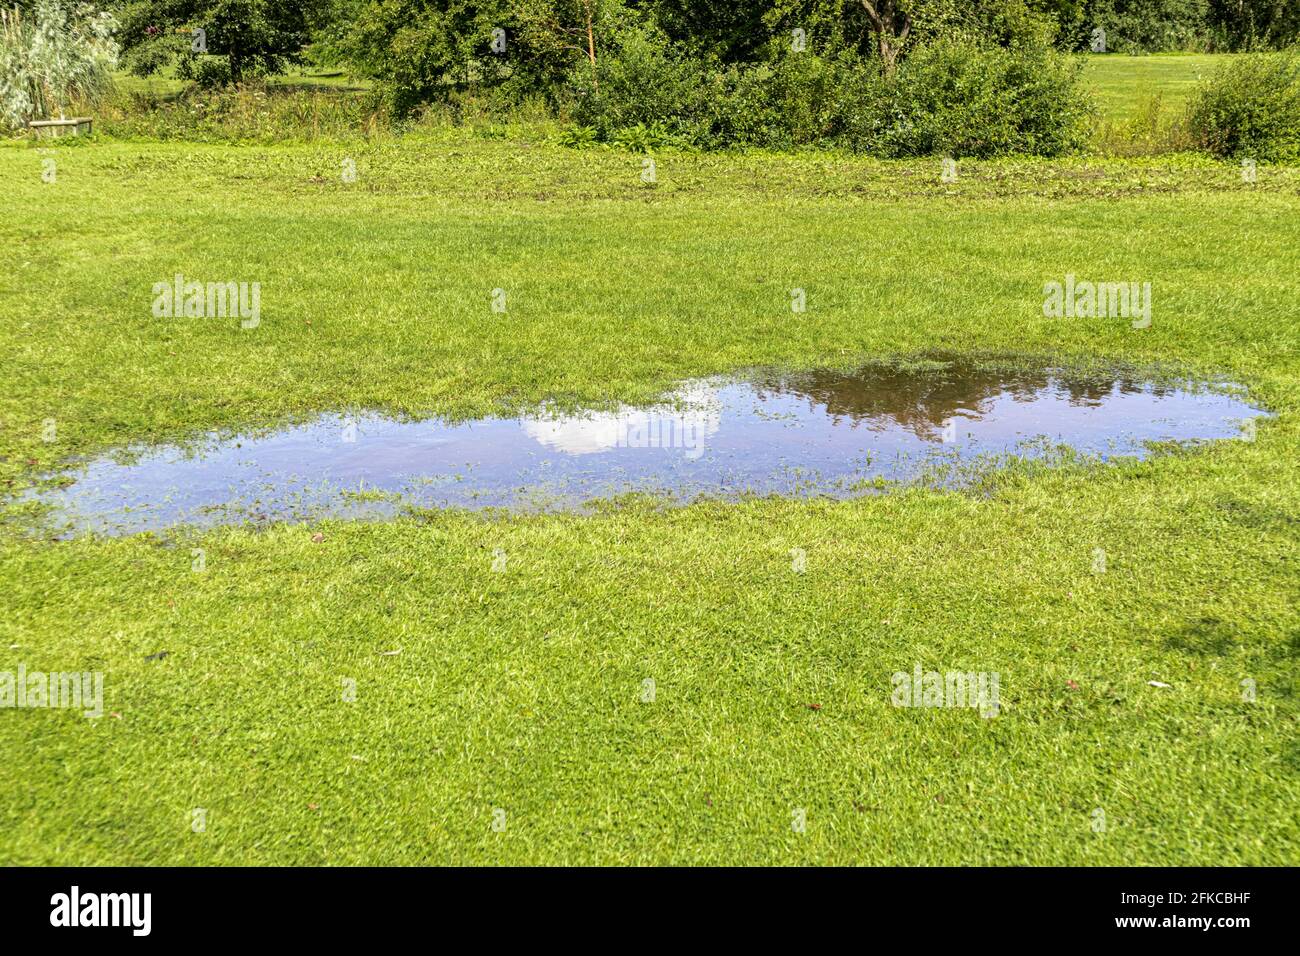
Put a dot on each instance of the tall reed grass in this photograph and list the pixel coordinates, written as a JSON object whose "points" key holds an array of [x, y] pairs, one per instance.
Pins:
{"points": [[56, 55]]}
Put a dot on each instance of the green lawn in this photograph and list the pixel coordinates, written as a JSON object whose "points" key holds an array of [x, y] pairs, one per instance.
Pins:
{"points": [[521, 691], [1124, 85], [165, 82]]}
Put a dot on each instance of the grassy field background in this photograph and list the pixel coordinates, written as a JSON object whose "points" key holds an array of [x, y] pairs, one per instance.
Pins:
{"points": [[521, 691], [165, 84], [1124, 85]]}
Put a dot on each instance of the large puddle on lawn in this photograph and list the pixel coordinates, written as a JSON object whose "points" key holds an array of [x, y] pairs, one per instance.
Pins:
{"points": [[823, 433]]}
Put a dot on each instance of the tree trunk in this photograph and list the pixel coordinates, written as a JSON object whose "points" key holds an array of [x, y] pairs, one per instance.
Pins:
{"points": [[891, 27], [591, 46]]}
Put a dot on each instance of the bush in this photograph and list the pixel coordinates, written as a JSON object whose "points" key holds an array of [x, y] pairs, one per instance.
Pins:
{"points": [[952, 96], [1140, 26], [1251, 108], [422, 52], [960, 98], [50, 57], [798, 100], [243, 40], [642, 81]]}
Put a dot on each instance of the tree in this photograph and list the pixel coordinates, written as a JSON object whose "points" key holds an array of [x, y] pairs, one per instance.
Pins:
{"points": [[551, 34], [424, 50], [888, 28], [891, 25], [1257, 23], [218, 41], [716, 29]]}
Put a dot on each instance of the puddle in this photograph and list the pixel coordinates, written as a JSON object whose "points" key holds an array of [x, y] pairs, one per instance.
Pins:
{"points": [[819, 433]]}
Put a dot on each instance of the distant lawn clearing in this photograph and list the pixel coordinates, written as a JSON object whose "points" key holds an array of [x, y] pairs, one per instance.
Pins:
{"points": [[395, 693], [1124, 84]]}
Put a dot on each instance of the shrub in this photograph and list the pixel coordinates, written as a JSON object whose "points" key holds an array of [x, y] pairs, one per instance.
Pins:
{"points": [[798, 100], [1251, 108], [1139, 26], [953, 96], [961, 98], [421, 52], [52, 56], [642, 81], [242, 40]]}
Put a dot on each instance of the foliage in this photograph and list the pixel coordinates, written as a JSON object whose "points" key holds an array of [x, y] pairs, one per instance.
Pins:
{"points": [[962, 98], [241, 39], [253, 112], [52, 53], [1147, 26], [1256, 24], [957, 96], [1251, 108], [422, 52], [1137, 26], [643, 81]]}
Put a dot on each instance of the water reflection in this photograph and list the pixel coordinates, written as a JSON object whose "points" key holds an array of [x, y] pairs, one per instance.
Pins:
{"points": [[809, 433], [924, 401]]}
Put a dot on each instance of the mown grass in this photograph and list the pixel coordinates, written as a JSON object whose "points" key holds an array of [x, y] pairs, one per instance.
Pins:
{"points": [[1124, 85], [522, 690], [1142, 101], [165, 83]]}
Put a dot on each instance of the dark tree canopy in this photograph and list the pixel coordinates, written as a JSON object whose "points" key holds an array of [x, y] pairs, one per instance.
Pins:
{"points": [[242, 38]]}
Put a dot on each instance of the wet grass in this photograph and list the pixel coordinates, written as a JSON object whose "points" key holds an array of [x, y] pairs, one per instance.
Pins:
{"points": [[521, 688], [818, 434]]}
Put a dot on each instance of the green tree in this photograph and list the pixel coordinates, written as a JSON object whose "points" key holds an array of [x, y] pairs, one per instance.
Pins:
{"points": [[1250, 24], [718, 29], [422, 50], [888, 28], [238, 39]]}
